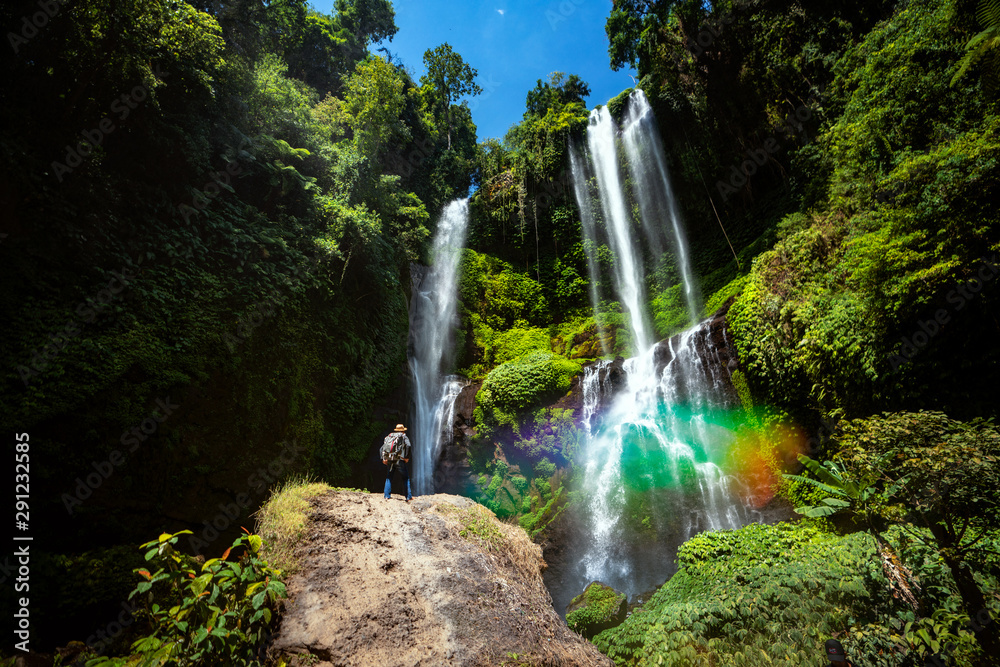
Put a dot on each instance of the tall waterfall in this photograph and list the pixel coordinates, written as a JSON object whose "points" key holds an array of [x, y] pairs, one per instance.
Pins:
{"points": [[652, 459], [432, 323], [648, 168], [628, 273]]}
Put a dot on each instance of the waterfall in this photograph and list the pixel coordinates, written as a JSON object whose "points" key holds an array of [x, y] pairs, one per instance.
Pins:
{"points": [[432, 323], [656, 447], [578, 170], [628, 273], [653, 467], [648, 168]]}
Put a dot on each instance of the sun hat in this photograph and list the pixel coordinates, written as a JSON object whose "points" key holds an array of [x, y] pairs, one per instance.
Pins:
{"points": [[400, 428], [834, 651]]}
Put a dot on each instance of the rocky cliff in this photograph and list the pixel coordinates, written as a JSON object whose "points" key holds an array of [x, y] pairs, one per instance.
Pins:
{"points": [[437, 581]]}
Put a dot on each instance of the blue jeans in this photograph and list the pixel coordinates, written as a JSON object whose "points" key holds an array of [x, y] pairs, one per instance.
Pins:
{"points": [[401, 466]]}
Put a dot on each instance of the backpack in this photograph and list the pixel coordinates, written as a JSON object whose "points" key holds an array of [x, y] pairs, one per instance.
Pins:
{"points": [[394, 448]]}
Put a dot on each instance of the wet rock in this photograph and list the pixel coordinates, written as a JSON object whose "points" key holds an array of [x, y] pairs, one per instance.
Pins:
{"points": [[465, 404], [716, 354]]}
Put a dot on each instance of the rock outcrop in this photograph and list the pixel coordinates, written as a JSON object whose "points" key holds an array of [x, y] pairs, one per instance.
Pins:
{"points": [[599, 607], [437, 581], [453, 474]]}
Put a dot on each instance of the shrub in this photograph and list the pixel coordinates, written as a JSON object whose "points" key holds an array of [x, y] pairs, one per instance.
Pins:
{"points": [[211, 613], [545, 468], [598, 608], [761, 595], [514, 343], [513, 387]]}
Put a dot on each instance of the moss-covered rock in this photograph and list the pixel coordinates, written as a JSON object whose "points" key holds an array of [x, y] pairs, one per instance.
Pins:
{"points": [[598, 608], [513, 387]]}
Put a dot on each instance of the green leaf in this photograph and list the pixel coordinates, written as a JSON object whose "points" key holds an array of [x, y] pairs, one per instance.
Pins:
{"points": [[199, 584]]}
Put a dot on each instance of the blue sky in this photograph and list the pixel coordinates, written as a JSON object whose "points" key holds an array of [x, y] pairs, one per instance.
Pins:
{"points": [[512, 44]]}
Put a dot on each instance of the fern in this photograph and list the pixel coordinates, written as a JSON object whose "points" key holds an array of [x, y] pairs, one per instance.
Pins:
{"points": [[984, 44]]}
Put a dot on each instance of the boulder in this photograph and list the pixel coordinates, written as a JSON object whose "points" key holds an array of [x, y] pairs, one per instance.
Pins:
{"points": [[435, 582], [599, 607]]}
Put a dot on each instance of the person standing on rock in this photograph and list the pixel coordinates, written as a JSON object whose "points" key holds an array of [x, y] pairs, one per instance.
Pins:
{"points": [[395, 455]]}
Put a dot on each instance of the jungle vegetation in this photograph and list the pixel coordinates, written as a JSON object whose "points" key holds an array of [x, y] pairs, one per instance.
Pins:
{"points": [[211, 210]]}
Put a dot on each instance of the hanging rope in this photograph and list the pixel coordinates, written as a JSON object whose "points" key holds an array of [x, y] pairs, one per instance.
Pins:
{"points": [[711, 201]]}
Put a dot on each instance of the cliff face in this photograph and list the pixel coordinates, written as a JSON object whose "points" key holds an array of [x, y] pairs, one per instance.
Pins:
{"points": [[437, 581]]}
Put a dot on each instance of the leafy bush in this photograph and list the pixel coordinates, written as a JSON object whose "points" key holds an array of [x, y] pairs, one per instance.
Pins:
{"points": [[732, 289], [670, 314], [513, 387], [761, 595], [601, 606], [832, 311], [545, 468], [211, 613], [515, 343]]}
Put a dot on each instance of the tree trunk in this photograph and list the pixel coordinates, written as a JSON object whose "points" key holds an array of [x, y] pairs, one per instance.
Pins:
{"points": [[448, 113], [975, 605], [972, 598], [900, 578]]}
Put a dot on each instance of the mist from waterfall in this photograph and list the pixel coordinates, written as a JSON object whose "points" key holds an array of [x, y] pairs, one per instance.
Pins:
{"points": [[433, 320], [652, 475]]}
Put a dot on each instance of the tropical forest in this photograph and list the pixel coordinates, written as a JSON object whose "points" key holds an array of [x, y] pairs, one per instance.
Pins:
{"points": [[688, 311]]}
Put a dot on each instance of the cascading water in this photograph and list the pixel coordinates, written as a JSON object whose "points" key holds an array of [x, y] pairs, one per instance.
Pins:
{"points": [[655, 453], [432, 323], [648, 168], [628, 278], [580, 178]]}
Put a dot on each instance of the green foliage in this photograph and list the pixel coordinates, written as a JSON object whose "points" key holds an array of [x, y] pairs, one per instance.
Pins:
{"points": [[252, 202], [515, 343], [373, 101], [983, 45], [498, 307], [600, 606], [448, 79], [548, 504], [523, 210], [515, 386], [211, 613], [670, 313], [761, 595], [842, 493], [720, 297], [545, 468], [940, 474]]}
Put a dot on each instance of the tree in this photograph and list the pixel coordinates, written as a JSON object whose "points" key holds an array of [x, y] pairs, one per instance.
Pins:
{"points": [[558, 91], [925, 470], [625, 27], [373, 101], [865, 500], [450, 76], [366, 22], [319, 48]]}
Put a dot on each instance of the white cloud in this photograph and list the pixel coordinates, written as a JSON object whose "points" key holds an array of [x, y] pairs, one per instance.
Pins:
{"points": [[500, 12]]}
